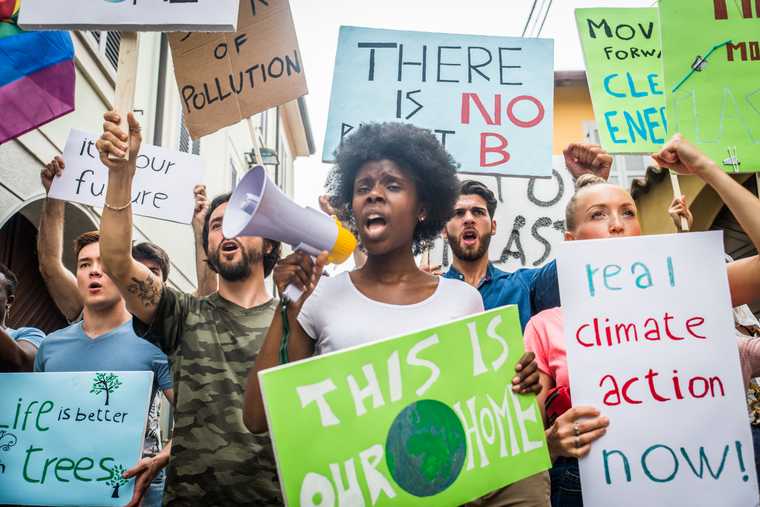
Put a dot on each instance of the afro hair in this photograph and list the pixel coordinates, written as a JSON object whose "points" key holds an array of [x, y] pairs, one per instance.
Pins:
{"points": [[417, 152]]}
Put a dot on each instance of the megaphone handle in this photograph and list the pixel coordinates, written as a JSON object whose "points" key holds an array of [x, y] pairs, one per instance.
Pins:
{"points": [[292, 293]]}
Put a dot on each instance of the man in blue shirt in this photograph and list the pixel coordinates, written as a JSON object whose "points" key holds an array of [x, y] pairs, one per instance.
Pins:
{"points": [[469, 235], [104, 340], [18, 347]]}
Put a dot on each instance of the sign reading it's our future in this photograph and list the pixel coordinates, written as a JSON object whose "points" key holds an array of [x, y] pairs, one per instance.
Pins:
{"points": [[162, 187], [66, 438], [621, 47], [424, 419], [650, 344], [489, 100], [130, 15]]}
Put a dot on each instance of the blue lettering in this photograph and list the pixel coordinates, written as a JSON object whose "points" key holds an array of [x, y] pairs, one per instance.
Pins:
{"points": [[611, 270], [632, 86], [590, 276], [612, 129], [652, 124], [606, 454], [644, 275], [637, 124], [646, 468], [607, 88], [654, 84]]}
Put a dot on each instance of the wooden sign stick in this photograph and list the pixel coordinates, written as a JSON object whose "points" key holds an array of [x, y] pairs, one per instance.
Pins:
{"points": [[255, 141], [677, 194], [126, 80]]}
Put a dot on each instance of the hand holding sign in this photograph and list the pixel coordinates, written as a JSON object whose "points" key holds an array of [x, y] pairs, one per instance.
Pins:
{"points": [[114, 140], [683, 157], [53, 169]]}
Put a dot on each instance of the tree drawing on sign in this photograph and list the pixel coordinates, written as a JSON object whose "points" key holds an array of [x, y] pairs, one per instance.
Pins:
{"points": [[105, 383], [117, 480]]}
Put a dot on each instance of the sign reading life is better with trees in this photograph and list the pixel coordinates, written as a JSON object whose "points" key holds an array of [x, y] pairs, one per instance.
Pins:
{"points": [[424, 419], [650, 343], [489, 100], [711, 53], [162, 187], [66, 438], [224, 78], [130, 15], [621, 48]]}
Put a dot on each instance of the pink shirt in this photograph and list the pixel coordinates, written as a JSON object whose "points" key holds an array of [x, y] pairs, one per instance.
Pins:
{"points": [[545, 337]]}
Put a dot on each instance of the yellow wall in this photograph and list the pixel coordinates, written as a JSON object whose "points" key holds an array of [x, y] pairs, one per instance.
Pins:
{"points": [[572, 106]]}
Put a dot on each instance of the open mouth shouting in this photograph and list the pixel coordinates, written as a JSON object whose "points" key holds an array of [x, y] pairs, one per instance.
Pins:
{"points": [[229, 248], [94, 287], [470, 238], [374, 223]]}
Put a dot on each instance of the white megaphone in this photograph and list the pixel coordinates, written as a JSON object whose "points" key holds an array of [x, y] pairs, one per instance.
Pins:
{"points": [[259, 208]]}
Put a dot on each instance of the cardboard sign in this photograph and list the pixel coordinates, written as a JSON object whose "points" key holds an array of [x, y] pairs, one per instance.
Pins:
{"points": [[223, 79], [424, 419], [489, 100], [623, 64], [130, 15], [162, 186], [530, 219], [711, 86], [650, 343], [66, 438]]}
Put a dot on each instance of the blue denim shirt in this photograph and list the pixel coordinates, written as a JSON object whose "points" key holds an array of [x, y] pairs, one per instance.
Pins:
{"points": [[531, 289]]}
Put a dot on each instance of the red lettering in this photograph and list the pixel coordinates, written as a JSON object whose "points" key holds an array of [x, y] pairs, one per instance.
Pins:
{"points": [[626, 386], [465, 113], [526, 124], [650, 378], [612, 392], [689, 325], [691, 387], [668, 318], [485, 149], [578, 336]]}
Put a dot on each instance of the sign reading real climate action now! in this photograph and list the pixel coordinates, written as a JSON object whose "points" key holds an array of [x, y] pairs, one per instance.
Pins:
{"points": [[66, 438], [424, 419], [621, 47], [489, 100], [651, 344]]}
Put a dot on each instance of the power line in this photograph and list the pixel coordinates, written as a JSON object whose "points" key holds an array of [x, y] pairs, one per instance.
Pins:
{"points": [[530, 15], [546, 14]]}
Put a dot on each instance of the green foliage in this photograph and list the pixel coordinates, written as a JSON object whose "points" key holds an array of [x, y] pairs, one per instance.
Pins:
{"points": [[116, 478]]}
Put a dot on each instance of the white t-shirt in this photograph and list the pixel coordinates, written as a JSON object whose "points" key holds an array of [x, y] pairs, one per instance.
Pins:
{"points": [[338, 316]]}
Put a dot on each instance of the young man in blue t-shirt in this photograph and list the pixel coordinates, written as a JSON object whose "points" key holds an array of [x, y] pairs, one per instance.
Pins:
{"points": [[18, 347], [104, 340], [469, 235]]}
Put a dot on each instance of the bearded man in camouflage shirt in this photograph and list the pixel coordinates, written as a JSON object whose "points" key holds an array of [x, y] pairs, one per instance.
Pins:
{"points": [[212, 342]]}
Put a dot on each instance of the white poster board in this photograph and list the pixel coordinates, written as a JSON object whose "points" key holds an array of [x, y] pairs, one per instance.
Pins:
{"points": [[162, 186], [667, 375], [530, 219], [130, 15]]}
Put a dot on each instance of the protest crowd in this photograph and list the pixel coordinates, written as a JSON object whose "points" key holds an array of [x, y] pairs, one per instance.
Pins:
{"points": [[265, 305]]}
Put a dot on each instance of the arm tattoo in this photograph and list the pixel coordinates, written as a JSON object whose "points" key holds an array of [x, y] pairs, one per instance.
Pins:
{"points": [[146, 291]]}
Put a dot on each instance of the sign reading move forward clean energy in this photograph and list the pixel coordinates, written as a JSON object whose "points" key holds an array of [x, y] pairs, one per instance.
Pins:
{"points": [[624, 70], [66, 438], [489, 100], [424, 419]]}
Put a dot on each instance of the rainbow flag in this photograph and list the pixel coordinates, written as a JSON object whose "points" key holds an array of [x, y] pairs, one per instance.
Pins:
{"points": [[37, 75]]}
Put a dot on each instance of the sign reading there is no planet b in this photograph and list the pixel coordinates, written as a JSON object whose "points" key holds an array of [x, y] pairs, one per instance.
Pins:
{"points": [[489, 100]]}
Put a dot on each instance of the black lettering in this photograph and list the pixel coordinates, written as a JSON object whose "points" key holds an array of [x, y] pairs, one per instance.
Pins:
{"points": [[603, 25], [401, 62], [372, 46], [442, 64], [551, 202], [476, 67], [502, 67], [514, 239]]}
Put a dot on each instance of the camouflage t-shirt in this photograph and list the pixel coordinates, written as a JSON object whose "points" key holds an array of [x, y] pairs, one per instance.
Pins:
{"points": [[212, 343]]}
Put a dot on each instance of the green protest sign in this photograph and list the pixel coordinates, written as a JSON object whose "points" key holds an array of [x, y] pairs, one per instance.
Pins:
{"points": [[424, 419], [621, 48], [712, 65]]}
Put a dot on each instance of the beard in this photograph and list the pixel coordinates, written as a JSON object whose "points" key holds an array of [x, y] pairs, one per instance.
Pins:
{"points": [[470, 255], [234, 271]]}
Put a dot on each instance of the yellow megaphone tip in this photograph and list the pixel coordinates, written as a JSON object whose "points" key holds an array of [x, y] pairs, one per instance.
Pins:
{"points": [[344, 246]]}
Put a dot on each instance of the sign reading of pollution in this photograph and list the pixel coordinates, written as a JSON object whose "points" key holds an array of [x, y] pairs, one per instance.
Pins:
{"points": [[489, 100], [67, 438], [424, 419]]}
